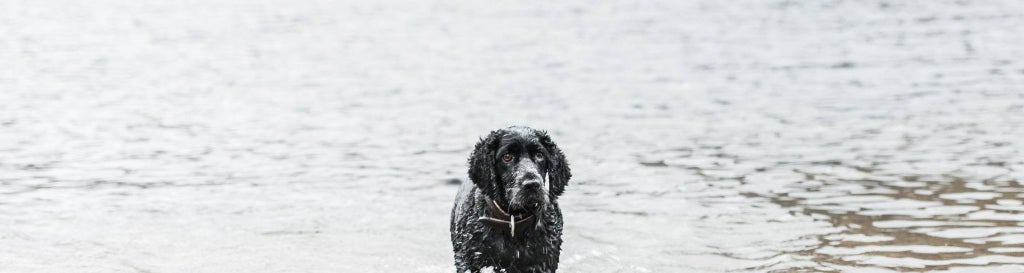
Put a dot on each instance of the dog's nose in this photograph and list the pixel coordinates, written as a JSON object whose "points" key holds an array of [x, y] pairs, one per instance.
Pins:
{"points": [[531, 184]]}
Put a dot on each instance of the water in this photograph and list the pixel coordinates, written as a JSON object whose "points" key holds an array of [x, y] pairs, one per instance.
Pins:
{"points": [[322, 136]]}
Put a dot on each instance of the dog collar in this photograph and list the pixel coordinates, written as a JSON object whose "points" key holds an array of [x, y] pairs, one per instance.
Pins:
{"points": [[498, 219]]}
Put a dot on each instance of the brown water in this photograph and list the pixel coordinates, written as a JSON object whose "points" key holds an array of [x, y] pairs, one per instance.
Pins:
{"points": [[322, 136]]}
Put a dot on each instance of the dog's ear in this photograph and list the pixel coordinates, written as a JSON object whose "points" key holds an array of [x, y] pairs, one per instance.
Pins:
{"points": [[481, 163], [558, 168]]}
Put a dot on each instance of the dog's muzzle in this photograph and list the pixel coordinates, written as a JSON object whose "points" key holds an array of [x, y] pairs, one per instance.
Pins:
{"points": [[497, 218]]}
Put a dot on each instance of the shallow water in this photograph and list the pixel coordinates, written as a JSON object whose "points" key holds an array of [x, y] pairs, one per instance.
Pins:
{"points": [[319, 136]]}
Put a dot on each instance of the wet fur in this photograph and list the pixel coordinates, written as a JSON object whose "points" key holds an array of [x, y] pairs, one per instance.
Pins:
{"points": [[477, 246]]}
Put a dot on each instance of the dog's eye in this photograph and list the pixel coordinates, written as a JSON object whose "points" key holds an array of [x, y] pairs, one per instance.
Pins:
{"points": [[539, 156], [506, 158]]}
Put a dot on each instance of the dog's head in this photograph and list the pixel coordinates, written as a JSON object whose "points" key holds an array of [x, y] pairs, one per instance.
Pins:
{"points": [[520, 167]]}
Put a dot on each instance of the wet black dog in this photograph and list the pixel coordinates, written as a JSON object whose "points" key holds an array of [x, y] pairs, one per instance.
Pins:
{"points": [[508, 218]]}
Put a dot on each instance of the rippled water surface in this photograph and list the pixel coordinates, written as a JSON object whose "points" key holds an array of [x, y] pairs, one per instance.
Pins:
{"points": [[324, 136]]}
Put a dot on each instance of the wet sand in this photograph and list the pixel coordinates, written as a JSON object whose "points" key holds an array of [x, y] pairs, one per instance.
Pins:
{"points": [[318, 136]]}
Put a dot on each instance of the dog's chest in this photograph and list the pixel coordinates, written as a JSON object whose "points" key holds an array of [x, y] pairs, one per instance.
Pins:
{"points": [[539, 246]]}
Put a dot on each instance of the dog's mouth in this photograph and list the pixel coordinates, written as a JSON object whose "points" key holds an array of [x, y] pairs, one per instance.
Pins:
{"points": [[527, 204], [526, 210]]}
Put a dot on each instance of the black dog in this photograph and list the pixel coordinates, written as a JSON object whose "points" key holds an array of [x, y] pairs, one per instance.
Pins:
{"points": [[508, 217]]}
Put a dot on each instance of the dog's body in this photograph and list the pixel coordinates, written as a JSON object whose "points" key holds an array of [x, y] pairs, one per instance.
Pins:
{"points": [[516, 177]]}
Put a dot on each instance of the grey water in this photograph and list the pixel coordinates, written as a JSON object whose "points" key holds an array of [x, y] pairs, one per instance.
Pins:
{"points": [[330, 136]]}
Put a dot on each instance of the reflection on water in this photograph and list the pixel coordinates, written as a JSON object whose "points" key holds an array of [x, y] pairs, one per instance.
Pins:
{"points": [[900, 190], [325, 136], [894, 219]]}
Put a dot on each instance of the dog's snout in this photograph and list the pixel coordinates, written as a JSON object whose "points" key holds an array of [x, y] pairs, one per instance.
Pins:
{"points": [[531, 180], [531, 184]]}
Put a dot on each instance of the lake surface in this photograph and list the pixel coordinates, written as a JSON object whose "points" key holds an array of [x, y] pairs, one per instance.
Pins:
{"points": [[325, 136]]}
